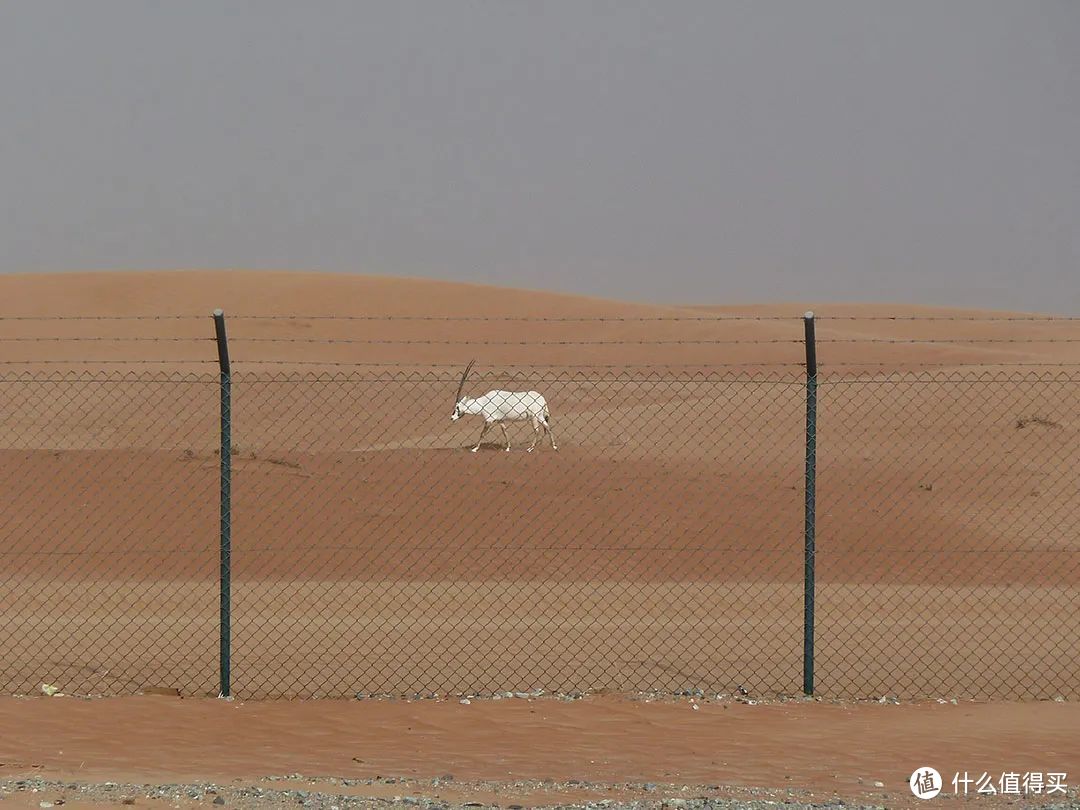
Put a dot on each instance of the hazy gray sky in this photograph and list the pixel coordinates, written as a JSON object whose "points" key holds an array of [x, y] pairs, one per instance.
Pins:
{"points": [[916, 150]]}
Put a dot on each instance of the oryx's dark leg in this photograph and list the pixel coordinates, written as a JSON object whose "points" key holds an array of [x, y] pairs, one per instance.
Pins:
{"points": [[536, 434], [550, 432], [506, 438], [482, 434]]}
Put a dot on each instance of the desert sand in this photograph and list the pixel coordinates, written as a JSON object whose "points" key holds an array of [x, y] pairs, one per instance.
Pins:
{"points": [[661, 548], [528, 751]]}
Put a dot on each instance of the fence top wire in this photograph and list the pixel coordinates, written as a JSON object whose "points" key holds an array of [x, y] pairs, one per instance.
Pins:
{"points": [[785, 375], [98, 338], [708, 318], [859, 368], [430, 342], [102, 317], [556, 375], [965, 318], [971, 376], [109, 376], [463, 318], [107, 362], [907, 366], [406, 368], [526, 318], [528, 343], [376, 551], [647, 342], [947, 340]]}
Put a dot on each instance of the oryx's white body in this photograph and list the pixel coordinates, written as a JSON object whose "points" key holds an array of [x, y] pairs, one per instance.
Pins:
{"points": [[499, 407]]}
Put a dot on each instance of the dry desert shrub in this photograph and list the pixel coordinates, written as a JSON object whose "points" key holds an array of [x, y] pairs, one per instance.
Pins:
{"points": [[1036, 419]]}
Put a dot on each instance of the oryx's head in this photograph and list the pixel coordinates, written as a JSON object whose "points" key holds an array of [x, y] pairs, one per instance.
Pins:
{"points": [[458, 411]]}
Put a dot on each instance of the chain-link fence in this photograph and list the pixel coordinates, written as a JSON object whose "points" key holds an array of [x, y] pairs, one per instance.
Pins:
{"points": [[660, 548], [948, 554]]}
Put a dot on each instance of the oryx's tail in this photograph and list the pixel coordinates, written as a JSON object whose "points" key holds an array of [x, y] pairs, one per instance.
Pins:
{"points": [[547, 413]]}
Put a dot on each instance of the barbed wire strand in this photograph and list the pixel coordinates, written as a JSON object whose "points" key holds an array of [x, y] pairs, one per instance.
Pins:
{"points": [[429, 342], [102, 317], [869, 365], [103, 339], [128, 361], [643, 342], [375, 551], [720, 318]]}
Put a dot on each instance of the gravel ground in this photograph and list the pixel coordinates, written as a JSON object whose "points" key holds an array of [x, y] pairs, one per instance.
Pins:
{"points": [[332, 793], [339, 794]]}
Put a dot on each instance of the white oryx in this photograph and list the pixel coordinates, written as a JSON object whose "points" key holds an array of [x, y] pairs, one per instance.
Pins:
{"points": [[498, 407]]}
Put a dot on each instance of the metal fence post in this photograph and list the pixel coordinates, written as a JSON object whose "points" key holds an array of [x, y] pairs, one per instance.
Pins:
{"points": [[225, 661], [810, 522]]}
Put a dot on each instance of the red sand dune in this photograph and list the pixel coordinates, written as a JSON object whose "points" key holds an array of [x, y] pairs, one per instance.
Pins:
{"points": [[293, 293], [661, 546]]}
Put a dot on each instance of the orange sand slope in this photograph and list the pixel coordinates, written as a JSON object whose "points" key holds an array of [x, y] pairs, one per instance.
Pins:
{"points": [[661, 547], [296, 293]]}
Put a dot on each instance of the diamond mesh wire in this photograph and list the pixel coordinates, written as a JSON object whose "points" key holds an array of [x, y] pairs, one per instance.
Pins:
{"points": [[109, 539], [948, 559], [660, 548], [652, 551]]}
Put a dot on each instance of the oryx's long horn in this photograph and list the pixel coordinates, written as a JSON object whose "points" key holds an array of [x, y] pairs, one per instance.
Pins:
{"points": [[461, 385]]}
